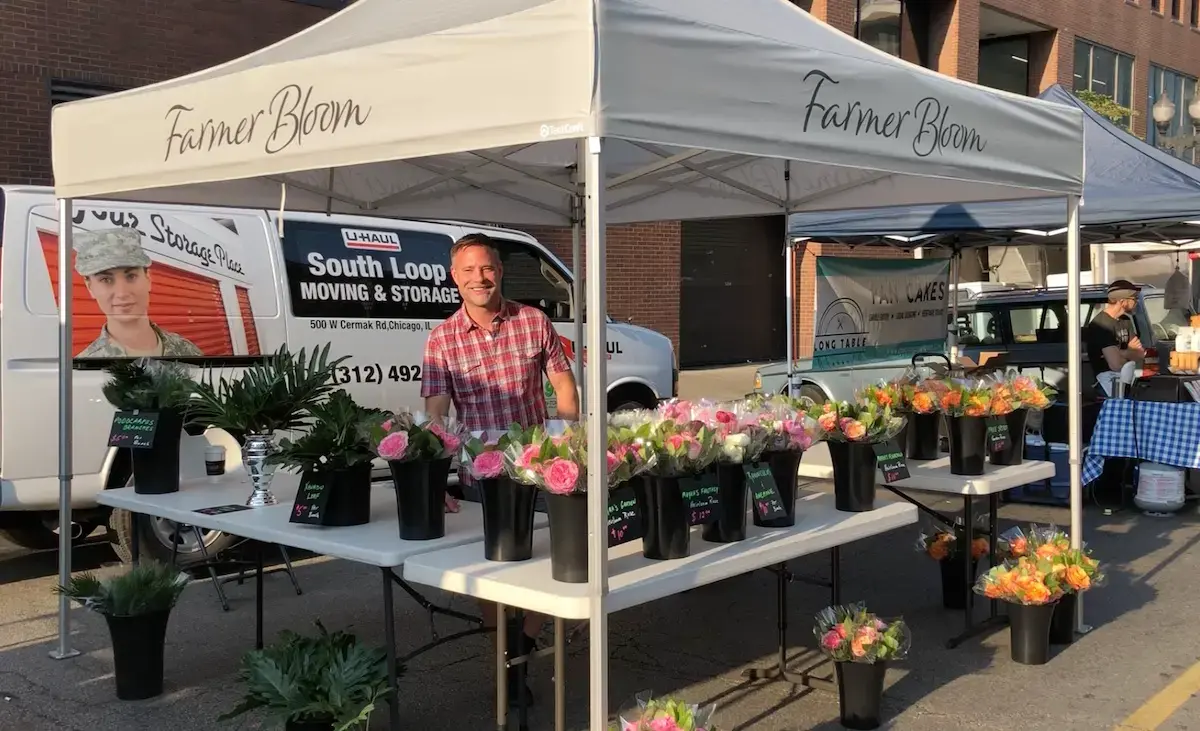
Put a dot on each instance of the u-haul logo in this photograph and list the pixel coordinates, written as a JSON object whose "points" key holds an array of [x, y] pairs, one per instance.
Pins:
{"points": [[355, 238]]}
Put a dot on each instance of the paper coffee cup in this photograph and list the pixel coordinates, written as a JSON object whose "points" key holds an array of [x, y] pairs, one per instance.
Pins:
{"points": [[214, 460]]}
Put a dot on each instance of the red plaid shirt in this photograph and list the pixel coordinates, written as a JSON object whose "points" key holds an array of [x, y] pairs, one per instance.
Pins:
{"points": [[493, 378]]}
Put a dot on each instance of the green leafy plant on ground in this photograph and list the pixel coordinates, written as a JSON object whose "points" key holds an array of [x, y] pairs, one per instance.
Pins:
{"points": [[330, 678], [146, 588]]}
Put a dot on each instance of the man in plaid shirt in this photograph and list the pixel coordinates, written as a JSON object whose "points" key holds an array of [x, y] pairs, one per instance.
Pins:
{"points": [[488, 359]]}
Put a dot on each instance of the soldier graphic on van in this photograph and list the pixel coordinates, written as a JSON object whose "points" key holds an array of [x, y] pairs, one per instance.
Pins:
{"points": [[116, 271]]}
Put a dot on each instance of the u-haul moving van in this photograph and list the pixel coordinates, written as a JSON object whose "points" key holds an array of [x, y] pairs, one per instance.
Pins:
{"points": [[226, 286]]}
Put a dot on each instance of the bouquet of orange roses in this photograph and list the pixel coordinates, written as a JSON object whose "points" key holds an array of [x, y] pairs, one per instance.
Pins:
{"points": [[941, 543], [1004, 400], [865, 423], [1026, 580], [1076, 568], [1032, 393], [887, 395], [966, 398], [923, 397]]}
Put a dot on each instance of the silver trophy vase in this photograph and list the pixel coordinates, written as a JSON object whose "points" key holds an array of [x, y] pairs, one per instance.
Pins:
{"points": [[255, 452]]}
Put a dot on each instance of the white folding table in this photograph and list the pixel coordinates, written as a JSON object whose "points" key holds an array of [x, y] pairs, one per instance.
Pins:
{"points": [[634, 579], [376, 544], [934, 476]]}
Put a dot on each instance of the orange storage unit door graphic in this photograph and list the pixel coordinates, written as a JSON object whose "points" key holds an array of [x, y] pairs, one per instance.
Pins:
{"points": [[243, 298], [180, 302]]}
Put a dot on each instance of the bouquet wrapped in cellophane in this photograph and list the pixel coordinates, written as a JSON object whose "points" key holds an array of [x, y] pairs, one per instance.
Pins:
{"points": [[557, 463], [666, 714], [680, 443], [739, 431], [789, 426], [865, 423], [1076, 568], [849, 633]]}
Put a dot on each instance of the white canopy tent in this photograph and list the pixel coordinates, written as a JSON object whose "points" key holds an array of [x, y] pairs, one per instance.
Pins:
{"points": [[490, 109]]}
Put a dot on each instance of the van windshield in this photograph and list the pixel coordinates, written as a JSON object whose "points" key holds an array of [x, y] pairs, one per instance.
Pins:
{"points": [[532, 280]]}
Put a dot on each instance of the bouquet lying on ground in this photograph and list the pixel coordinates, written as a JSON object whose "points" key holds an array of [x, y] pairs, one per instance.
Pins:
{"points": [[666, 714], [940, 543], [867, 423], [403, 437], [849, 633], [1023, 581], [1076, 568]]}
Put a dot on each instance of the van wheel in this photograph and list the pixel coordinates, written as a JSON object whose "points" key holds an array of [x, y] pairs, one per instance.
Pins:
{"points": [[155, 536], [631, 397], [812, 392]]}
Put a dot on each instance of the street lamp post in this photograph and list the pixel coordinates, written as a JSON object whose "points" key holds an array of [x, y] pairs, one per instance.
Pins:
{"points": [[1164, 114]]}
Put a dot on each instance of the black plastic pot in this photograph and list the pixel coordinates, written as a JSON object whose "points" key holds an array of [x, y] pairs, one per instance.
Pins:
{"points": [[138, 643], [156, 470], [666, 534], [968, 444], [349, 496], [1062, 625], [860, 693], [954, 586], [1015, 452], [308, 725], [1030, 632], [734, 498], [568, 537], [421, 498], [922, 442], [507, 519], [784, 466], [853, 476]]}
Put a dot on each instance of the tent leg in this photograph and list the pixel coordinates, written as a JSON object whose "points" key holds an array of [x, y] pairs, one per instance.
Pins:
{"points": [[597, 431], [577, 295], [952, 336], [789, 265], [65, 424], [1074, 386]]}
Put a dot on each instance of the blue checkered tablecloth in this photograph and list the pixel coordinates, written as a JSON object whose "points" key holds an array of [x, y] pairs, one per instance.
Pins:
{"points": [[1156, 432]]}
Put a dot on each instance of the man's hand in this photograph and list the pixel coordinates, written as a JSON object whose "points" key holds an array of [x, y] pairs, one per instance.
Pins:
{"points": [[451, 503], [1135, 343]]}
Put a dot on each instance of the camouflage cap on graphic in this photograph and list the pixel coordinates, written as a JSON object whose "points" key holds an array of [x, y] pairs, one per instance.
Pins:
{"points": [[110, 248]]}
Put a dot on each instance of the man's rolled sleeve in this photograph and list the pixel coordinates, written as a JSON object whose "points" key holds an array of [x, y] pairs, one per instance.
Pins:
{"points": [[556, 359], [435, 375]]}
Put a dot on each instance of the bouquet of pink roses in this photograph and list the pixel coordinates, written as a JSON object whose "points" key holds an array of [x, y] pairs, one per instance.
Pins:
{"points": [[558, 463], [680, 444], [849, 633], [404, 437], [483, 454], [789, 427], [740, 431], [666, 714]]}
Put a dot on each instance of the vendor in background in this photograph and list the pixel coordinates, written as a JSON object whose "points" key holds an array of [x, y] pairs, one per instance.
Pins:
{"points": [[116, 271], [1111, 338], [488, 359]]}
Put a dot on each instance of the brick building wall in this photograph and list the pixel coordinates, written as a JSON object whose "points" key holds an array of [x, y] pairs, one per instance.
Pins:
{"points": [[117, 44]]}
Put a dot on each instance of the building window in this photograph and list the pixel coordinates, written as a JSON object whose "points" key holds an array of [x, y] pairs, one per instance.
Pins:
{"points": [[1156, 6], [1004, 64], [62, 91], [878, 24], [1177, 87], [1196, 13], [1104, 71], [1175, 9]]}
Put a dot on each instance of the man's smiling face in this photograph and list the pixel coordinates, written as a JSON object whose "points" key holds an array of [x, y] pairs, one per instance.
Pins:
{"points": [[477, 272]]}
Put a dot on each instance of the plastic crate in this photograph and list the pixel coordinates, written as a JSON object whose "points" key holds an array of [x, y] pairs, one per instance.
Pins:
{"points": [[1054, 491]]}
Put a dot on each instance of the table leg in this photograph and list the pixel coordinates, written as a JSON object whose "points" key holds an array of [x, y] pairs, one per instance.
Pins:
{"points": [[258, 595], [389, 635], [501, 668], [780, 672], [970, 628], [993, 547], [522, 674], [560, 676]]}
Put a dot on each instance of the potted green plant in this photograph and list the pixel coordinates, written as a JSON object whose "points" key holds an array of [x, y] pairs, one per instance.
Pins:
{"points": [[136, 605], [275, 395], [330, 682], [335, 457], [155, 394]]}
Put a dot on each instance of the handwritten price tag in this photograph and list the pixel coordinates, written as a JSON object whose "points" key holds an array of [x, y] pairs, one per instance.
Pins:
{"points": [[764, 492], [624, 521], [890, 460], [702, 495], [311, 499]]}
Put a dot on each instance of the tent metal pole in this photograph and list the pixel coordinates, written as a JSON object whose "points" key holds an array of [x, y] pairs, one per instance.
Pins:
{"points": [[597, 431], [65, 425], [952, 335], [789, 276], [1074, 386], [577, 295]]}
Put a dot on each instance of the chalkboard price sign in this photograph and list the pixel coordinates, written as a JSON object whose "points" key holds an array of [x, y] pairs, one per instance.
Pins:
{"points": [[133, 429], [701, 495], [311, 499], [763, 491], [997, 434], [890, 460], [624, 522]]}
